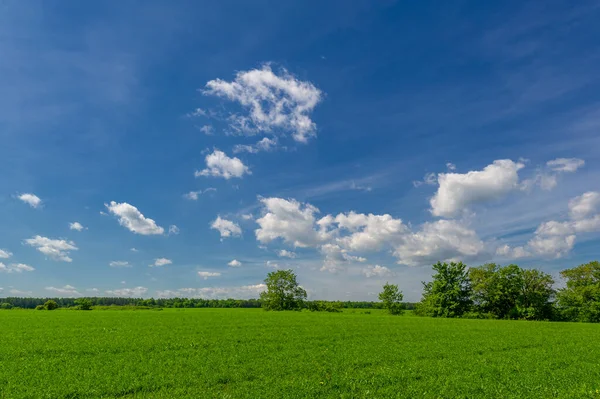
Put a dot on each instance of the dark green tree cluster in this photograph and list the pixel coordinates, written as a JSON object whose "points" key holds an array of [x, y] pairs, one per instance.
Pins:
{"points": [[511, 292]]}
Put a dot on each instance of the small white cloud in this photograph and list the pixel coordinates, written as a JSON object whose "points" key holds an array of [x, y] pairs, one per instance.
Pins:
{"points": [[377, 271], [207, 129], [133, 220], [218, 164], [234, 263], [93, 290], [54, 249], [247, 216], [245, 291], [33, 200], [226, 228], [451, 166], [20, 293], [584, 205], [119, 263], [272, 264], [76, 226], [173, 230], [15, 268], [194, 195], [206, 275], [66, 291], [196, 113], [4, 254], [266, 144], [161, 262], [568, 165], [354, 186], [429, 179], [284, 253], [136, 292], [274, 102], [134, 250]]}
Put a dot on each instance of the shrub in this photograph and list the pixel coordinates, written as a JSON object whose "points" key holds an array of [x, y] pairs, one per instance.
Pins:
{"points": [[40, 307], [50, 305], [5, 305]]}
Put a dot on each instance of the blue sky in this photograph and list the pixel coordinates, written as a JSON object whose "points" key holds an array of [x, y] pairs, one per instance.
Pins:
{"points": [[355, 142]]}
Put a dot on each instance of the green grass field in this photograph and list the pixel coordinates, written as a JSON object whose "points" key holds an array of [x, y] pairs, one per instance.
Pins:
{"points": [[249, 353]]}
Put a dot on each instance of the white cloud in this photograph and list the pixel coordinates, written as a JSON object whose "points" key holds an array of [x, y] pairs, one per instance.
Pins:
{"points": [[457, 191], [336, 257], [119, 263], [242, 292], [218, 164], [234, 263], [568, 165], [247, 216], [4, 254], [429, 179], [369, 232], [33, 200], [158, 262], [451, 166], [289, 220], [173, 230], [20, 293], [440, 240], [66, 291], [194, 195], [207, 129], [584, 205], [94, 290], [136, 292], [284, 253], [226, 228], [206, 275], [272, 264], [197, 112], [132, 219], [377, 271], [273, 102], [134, 250], [15, 268], [266, 144], [512, 253], [54, 249], [76, 226]]}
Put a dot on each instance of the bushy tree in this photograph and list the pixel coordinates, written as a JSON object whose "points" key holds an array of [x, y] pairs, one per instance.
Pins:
{"points": [[283, 291], [84, 303], [5, 305], [535, 301], [391, 297], [449, 294], [40, 307], [580, 299], [50, 304]]}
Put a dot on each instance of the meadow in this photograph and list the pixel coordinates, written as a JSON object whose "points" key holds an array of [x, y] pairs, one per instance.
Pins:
{"points": [[250, 353]]}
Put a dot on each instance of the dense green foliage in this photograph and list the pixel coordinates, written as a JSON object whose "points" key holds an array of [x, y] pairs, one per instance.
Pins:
{"points": [[248, 353], [50, 305], [283, 291], [391, 299], [84, 303], [580, 299], [449, 294]]}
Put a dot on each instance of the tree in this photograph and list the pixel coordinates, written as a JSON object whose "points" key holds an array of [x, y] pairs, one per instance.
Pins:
{"points": [[5, 305], [84, 303], [580, 299], [392, 299], [449, 294], [283, 291], [50, 304], [535, 301]]}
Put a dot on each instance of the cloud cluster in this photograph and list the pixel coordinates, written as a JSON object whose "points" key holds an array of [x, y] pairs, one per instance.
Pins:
{"points": [[242, 292], [66, 291], [206, 275], [33, 200], [266, 145], [15, 268], [218, 164], [133, 220], [234, 263], [159, 262], [226, 228], [76, 226], [136, 292], [4, 254], [272, 102], [54, 249], [119, 263]]}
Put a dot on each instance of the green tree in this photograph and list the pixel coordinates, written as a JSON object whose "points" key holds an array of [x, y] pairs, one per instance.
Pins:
{"points": [[84, 303], [283, 291], [535, 301], [5, 305], [580, 299], [40, 307], [392, 297], [50, 304], [449, 294], [497, 289]]}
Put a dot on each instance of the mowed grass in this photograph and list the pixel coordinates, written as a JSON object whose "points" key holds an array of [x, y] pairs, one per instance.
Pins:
{"points": [[249, 353]]}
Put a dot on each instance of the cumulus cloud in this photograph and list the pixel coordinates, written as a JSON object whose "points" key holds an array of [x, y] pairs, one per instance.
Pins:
{"points": [[173, 230], [135, 292], [377, 271], [54, 249], [133, 220], [76, 226], [33, 200], [284, 253], [194, 195], [266, 144], [369, 232], [15, 268], [158, 262], [4, 254], [119, 263], [273, 102], [247, 216], [457, 191], [226, 228], [584, 205], [234, 263], [218, 164], [242, 292], [440, 240], [206, 275], [66, 291], [568, 165], [290, 221], [335, 257]]}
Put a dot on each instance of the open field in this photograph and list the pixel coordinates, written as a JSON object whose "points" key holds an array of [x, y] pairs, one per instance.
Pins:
{"points": [[249, 353]]}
